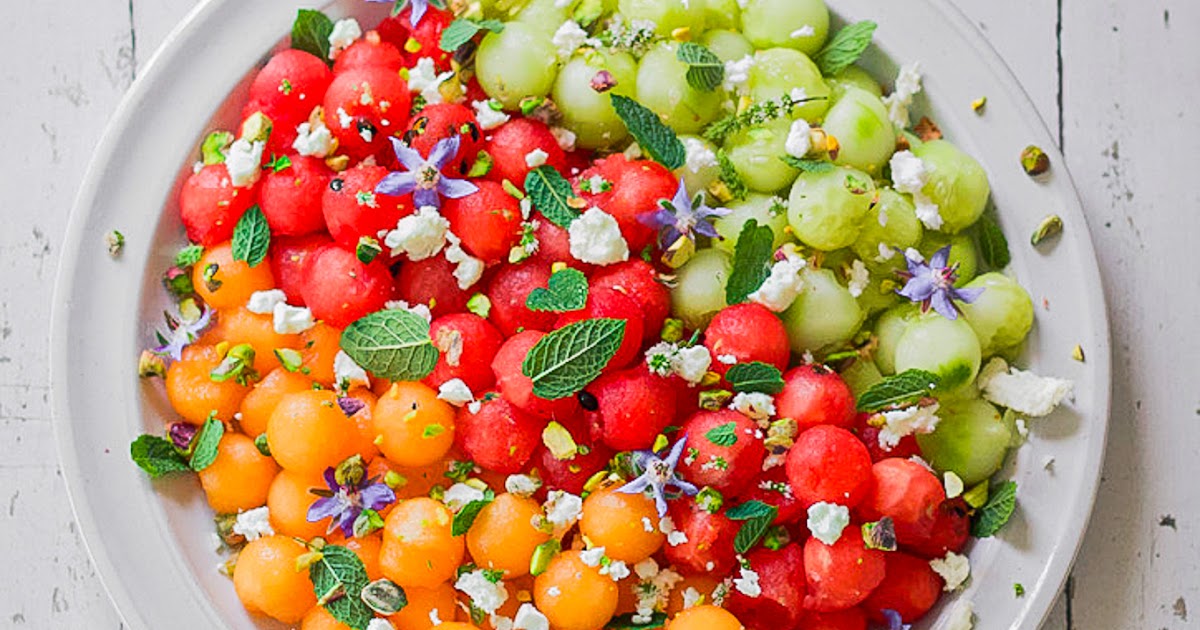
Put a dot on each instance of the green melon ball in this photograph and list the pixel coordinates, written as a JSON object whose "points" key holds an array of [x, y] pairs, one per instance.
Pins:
{"points": [[957, 184], [799, 24]]}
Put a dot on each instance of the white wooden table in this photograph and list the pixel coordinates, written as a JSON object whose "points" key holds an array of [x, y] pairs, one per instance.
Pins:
{"points": [[1117, 79]]}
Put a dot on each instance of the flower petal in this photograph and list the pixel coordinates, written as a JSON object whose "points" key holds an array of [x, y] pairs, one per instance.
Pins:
{"points": [[407, 155], [396, 183], [941, 302], [324, 508], [377, 496], [418, 12], [672, 459], [681, 201], [918, 288], [685, 487], [330, 476], [423, 197], [455, 188], [707, 229], [637, 486], [940, 258], [658, 219], [444, 151], [968, 295]]}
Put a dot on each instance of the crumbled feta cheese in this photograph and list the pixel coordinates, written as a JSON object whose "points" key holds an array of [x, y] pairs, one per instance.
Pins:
{"points": [[910, 174], [345, 32], [647, 524], [254, 524], [485, 594], [798, 94], [747, 583], [648, 568], [595, 238], [456, 392], [522, 485], [344, 119], [526, 209], [908, 85], [420, 235], [263, 302], [886, 253], [563, 508], [568, 38], [314, 140], [424, 78], [690, 364], [489, 114], [469, 269], [827, 520], [474, 406], [754, 405], [347, 373], [592, 557], [434, 618], [420, 310], [1023, 392], [804, 31], [536, 158], [961, 615], [917, 459], [529, 617], [903, 422], [737, 75], [691, 597], [615, 569], [565, 138], [859, 278], [459, 495], [928, 212], [783, 285], [727, 359], [379, 623], [799, 139], [954, 569], [675, 537], [699, 155], [289, 320], [243, 160]]}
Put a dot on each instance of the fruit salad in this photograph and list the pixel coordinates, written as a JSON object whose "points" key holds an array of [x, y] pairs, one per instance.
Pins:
{"points": [[585, 314]]}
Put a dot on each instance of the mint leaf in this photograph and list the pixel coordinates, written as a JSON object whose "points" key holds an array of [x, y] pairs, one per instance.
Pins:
{"points": [[845, 47], [189, 256], [310, 33], [204, 451], [705, 70], [723, 435], [899, 390], [462, 30], [753, 528], [568, 359], [656, 139], [338, 579], [157, 456], [279, 163], [212, 151], [807, 165], [567, 291], [996, 512], [392, 344], [751, 261], [748, 510], [466, 516], [551, 194], [755, 376], [993, 246], [251, 237], [626, 622]]}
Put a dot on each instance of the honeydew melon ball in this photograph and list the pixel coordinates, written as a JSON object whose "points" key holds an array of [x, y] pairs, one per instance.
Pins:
{"points": [[957, 184], [799, 24]]}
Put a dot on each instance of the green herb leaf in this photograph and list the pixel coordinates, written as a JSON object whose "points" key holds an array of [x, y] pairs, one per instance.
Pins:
{"points": [[749, 510], [310, 33], [899, 390], [568, 359], [279, 163], [189, 256], [392, 344], [626, 622], [723, 435], [729, 175], [845, 47], [751, 261], [807, 165], [212, 150], [338, 579], [204, 451], [157, 456], [463, 30], [568, 291], [993, 246], [753, 529], [251, 237], [368, 249], [551, 194], [656, 139], [996, 512], [755, 376], [466, 516], [705, 71]]}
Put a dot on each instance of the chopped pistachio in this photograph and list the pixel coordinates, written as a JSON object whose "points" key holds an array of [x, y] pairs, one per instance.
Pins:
{"points": [[710, 500], [394, 479], [115, 242], [480, 305], [978, 104], [260, 443], [1077, 353], [290, 359], [1034, 160], [679, 253], [660, 443], [1050, 227], [482, 166], [256, 128], [512, 189], [714, 400], [338, 163], [977, 496], [672, 330], [531, 103], [776, 538], [559, 442], [1019, 589], [542, 555], [384, 597], [368, 249], [304, 561], [151, 365]]}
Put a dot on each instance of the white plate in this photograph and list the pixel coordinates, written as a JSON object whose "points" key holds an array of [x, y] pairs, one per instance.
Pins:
{"points": [[151, 541]]}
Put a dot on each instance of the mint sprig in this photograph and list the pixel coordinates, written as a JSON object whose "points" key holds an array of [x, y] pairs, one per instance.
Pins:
{"points": [[310, 33], [845, 47], [338, 579], [567, 291], [157, 456], [757, 518], [565, 361], [705, 70], [723, 435], [993, 246], [392, 344], [656, 139], [466, 516], [755, 376], [251, 237], [551, 195], [462, 30], [808, 165], [206, 444], [899, 390], [1002, 501], [751, 261]]}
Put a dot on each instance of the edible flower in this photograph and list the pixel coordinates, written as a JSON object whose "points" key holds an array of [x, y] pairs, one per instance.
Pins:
{"points": [[659, 473], [181, 333], [683, 216], [347, 497], [418, 8], [932, 284], [424, 178], [894, 620]]}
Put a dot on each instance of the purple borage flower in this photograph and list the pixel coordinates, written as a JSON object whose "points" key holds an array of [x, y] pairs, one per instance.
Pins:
{"points": [[424, 178], [344, 503], [418, 8], [659, 473], [181, 334], [683, 216], [932, 284], [894, 621]]}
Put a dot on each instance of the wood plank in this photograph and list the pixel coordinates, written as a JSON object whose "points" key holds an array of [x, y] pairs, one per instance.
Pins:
{"points": [[1132, 131]]}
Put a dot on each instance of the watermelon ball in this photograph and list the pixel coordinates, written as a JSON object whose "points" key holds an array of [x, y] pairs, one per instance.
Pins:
{"points": [[466, 343], [517, 388], [632, 408], [636, 188], [369, 52], [908, 493], [910, 587], [612, 304], [445, 120], [572, 473], [747, 332], [723, 451], [340, 289], [639, 280], [363, 108], [421, 40], [950, 532], [772, 488], [906, 448], [829, 464], [708, 548], [848, 619], [499, 436], [814, 395], [287, 256], [286, 90], [517, 145], [508, 290], [431, 282], [843, 574], [291, 198], [488, 222], [554, 246], [353, 209], [210, 205], [781, 580]]}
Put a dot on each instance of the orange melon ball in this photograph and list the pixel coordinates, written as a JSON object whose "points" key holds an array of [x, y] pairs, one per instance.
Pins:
{"points": [[267, 582], [705, 618], [239, 478], [308, 432], [225, 283], [264, 396], [503, 536], [414, 426], [238, 325], [289, 498], [192, 392], [626, 525], [573, 595], [321, 343], [418, 546], [422, 602]]}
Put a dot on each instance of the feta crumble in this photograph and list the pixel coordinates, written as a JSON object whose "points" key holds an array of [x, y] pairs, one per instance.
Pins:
{"points": [[726, 359], [675, 537], [468, 269], [747, 583], [859, 278], [420, 235], [904, 422], [690, 363], [522, 485], [1023, 392], [313, 139], [908, 85], [699, 156], [254, 524], [243, 160], [563, 508], [962, 615], [536, 158], [799, 139], [456, 392], [290, 320], [691, 597], [459, 495], [568, 38], [380, 624], [737, 75], [595, 238], [953, 484], [263, 302], [347, 373], [424, 78], [565, 138], [420, 310], [783, 285], [592, 557], [528, 617], [754, 405], [489, 114], [615, 569], [827, 520], [345, 32], [953, 568], [485, 594], [804, 31], [886, 253], [910, 174]]}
